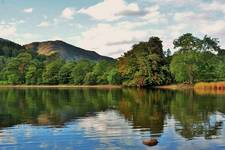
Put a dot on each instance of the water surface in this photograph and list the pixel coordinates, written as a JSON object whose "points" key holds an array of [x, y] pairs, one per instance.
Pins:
{"points": [[110, 119]]}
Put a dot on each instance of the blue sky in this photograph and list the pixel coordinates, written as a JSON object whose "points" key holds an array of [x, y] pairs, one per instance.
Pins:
{"points": [[110, 27]]}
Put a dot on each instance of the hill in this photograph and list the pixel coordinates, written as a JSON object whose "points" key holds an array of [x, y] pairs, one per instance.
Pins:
{"points": [[65, 50], [9, 48]]}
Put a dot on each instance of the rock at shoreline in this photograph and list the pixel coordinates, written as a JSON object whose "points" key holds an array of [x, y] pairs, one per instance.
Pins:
{"points": [[150, 142]]}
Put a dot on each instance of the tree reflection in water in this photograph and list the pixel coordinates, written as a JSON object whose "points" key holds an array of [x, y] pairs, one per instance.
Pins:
{"points": [[147, 110]]}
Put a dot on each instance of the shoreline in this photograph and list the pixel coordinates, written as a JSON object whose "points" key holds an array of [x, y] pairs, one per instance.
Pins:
{"points": [[163, 87], [201, 88], [176, 87], [63, 86], [198, 86]]}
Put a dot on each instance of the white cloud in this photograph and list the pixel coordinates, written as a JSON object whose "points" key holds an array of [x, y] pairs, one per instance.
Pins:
{"points": [[214, 6], [44, 24], [28, 10], [192, 17], [107, 39], [26, 37], [153, 15], [132, 25], [110, 10], [177, 1], [68, 13], [7, 30], [213, 27], [15, 22], [21, 22], [200, 22], [183, 16]]}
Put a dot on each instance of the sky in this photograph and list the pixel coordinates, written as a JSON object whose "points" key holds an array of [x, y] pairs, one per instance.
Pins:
{"points": [[110, 27]]}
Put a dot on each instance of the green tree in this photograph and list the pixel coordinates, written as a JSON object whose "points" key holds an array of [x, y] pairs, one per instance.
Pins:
{"points": [[65, 73], [196, 59], [51, 72], [101, 70], [189, 42], [145, 64], [34, 72], [13, 78], [80, 70], [90, 78], [185, 66], [10, 72], [24, 60], [114, 77]]}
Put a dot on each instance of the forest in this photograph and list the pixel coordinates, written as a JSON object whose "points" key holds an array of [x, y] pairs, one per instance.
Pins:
{"points": [[146, 64]]}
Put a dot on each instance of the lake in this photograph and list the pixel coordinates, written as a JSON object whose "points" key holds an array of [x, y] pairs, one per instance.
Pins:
{"points": [[32, 119]]}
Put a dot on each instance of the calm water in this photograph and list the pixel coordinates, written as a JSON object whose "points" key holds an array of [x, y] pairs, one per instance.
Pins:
{"points": [[110, 119]]}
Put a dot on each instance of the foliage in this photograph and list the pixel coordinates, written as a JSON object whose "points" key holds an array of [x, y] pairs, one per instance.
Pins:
{"points": [[34, 71], [65, 73], [90, 78], [197, 59], [189, 42], [80, 70], [101, 70], [51, 72], [145, 64], [185, 66], [114, 77]]}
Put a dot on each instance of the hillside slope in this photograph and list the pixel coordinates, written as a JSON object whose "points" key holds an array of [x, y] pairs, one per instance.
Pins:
{"points": [[9, 48], [65, 50]]}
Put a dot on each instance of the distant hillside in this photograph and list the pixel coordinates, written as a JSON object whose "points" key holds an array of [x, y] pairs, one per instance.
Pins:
{"points": [[9, 48], [65, 50]]}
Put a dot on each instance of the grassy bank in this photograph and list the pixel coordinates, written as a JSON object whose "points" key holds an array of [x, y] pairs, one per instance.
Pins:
{"points": [[176, 87], [201, 88], [61, 86], [210, 88]]}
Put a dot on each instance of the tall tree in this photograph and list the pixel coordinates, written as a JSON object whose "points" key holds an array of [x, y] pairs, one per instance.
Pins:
{"points": [[34, 72], [11, 73], [196, 59], [188, 42], [145, 64], [65, 73], [114, 77], [51, 72], [101, 70], [24, 60], [80, 70]]}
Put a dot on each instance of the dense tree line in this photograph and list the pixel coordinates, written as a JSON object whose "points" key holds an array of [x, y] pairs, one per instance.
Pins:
{"points": [[24, 69], [198, 59], [21, 66], [195, 60], [146, 64]]}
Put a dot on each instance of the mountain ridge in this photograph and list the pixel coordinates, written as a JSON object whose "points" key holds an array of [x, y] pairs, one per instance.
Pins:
{"points": [[65, 50]]}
